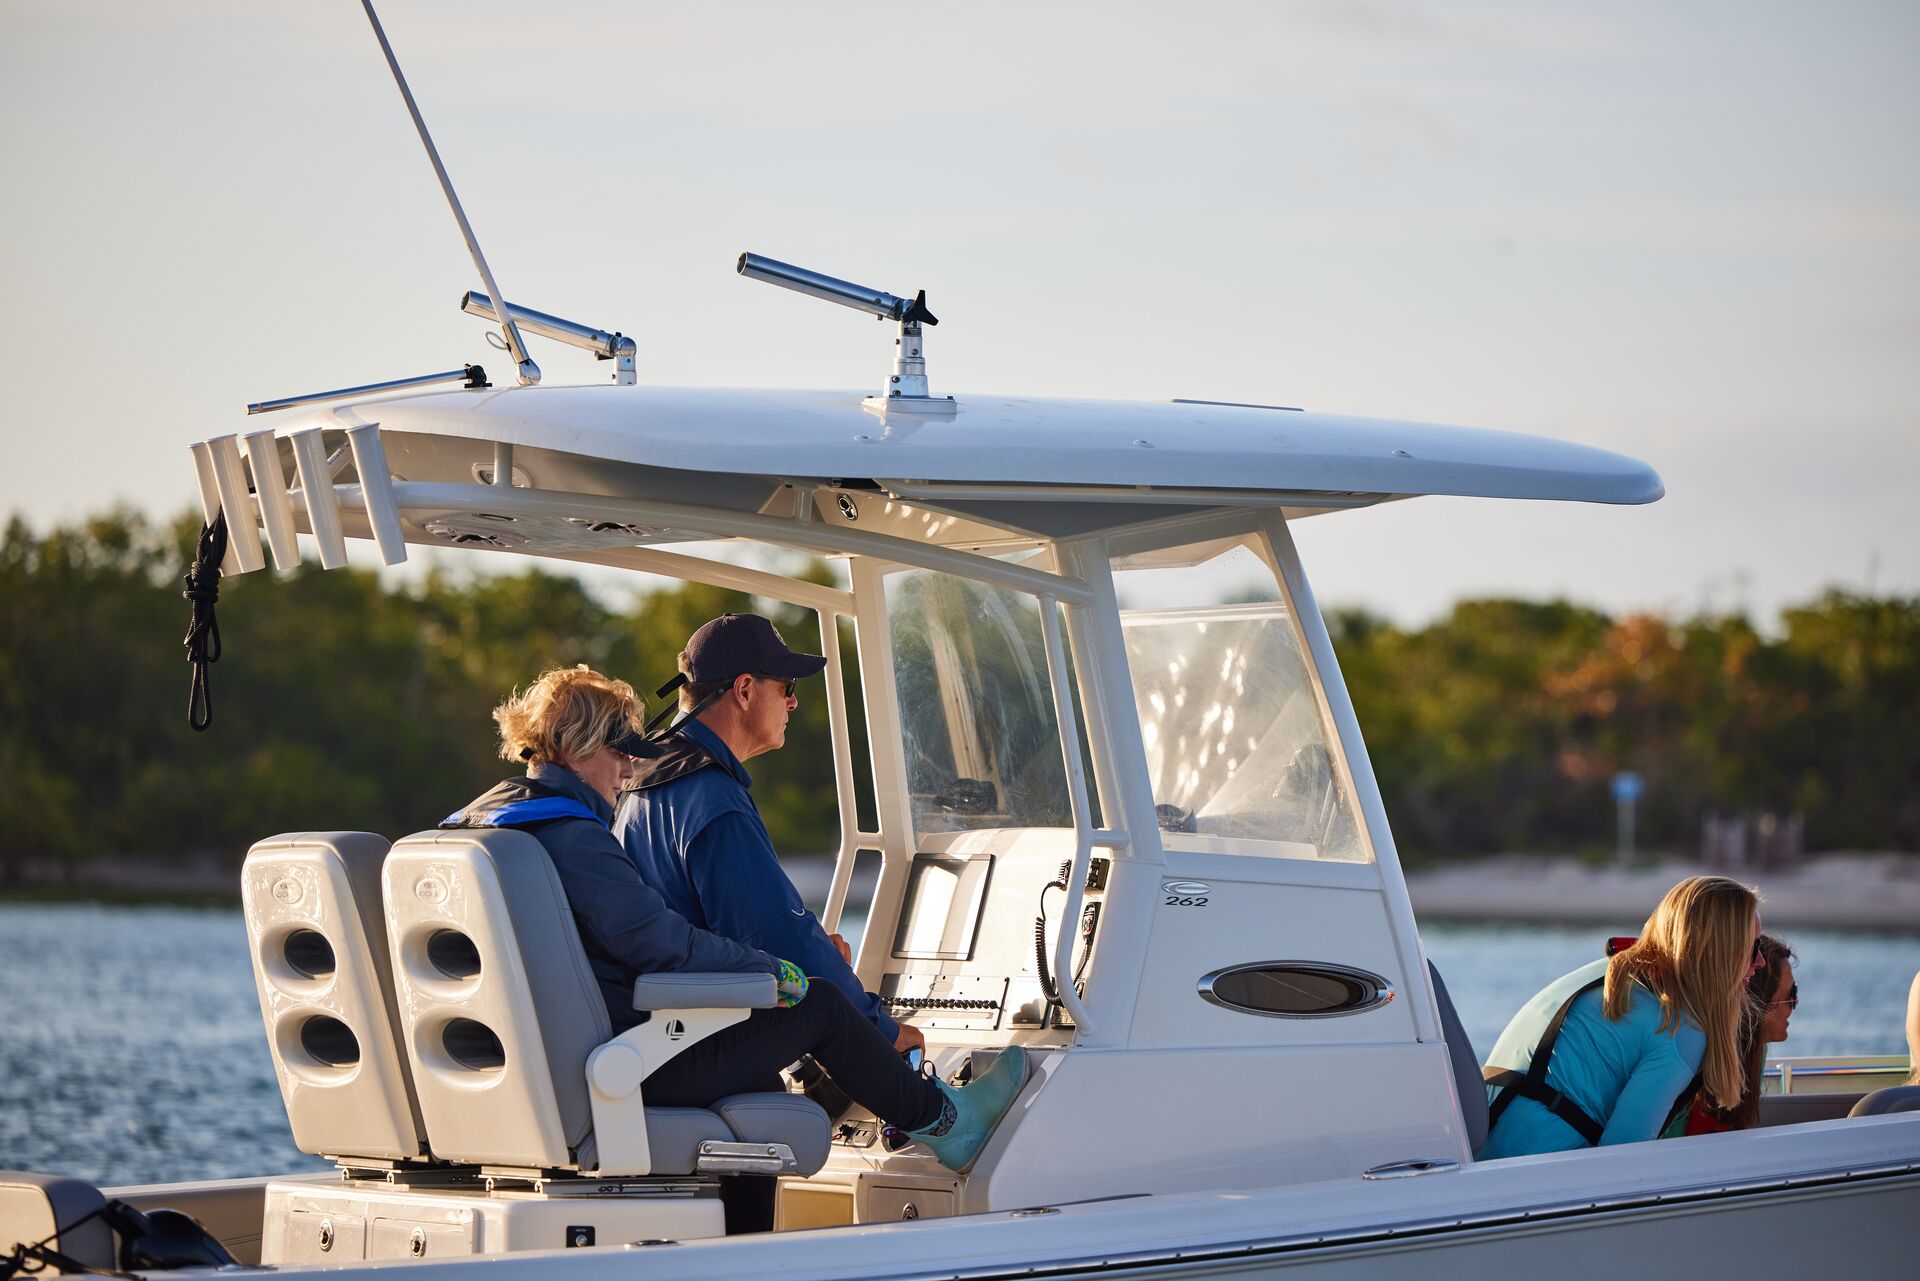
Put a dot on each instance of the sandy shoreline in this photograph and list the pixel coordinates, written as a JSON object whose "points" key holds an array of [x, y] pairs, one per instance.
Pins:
{"points": [[1840, 890]]}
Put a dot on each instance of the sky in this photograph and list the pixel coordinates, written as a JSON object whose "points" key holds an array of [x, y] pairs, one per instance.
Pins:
{"points": [[1687, 233]]}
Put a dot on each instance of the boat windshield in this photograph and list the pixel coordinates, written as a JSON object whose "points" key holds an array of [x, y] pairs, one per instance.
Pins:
{"points": [[976, 705], [1237, 744]]}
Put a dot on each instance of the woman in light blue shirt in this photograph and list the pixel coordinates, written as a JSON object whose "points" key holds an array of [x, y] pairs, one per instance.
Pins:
{"points": [[1624, 1038]]}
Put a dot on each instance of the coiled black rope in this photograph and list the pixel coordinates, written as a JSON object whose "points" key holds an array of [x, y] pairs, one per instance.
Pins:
{"points": [[203, 633], [31, 1260]]}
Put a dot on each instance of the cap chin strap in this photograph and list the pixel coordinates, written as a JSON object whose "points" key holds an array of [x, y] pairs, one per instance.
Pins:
{"points": [[665, 714]]}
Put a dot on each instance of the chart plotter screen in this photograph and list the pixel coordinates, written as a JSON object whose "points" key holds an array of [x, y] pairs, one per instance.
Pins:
{"points": [[941, 916]]}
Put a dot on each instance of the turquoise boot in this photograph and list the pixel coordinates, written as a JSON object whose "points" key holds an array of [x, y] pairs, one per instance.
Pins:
{"points": [[973, 1110]]}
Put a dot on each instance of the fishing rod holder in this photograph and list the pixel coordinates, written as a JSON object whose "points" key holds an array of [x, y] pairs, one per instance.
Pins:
{"points": [[616, 347], [906, 390], [474, 376]]}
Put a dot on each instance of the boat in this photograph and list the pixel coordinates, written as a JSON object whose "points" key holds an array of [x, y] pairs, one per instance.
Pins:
{"points": [[1244, 1063]]}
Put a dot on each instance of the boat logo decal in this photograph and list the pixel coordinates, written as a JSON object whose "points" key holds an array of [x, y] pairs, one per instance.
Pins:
{"points": [[847, 508], [1185, 893], [675, 1029], [287, 890]]}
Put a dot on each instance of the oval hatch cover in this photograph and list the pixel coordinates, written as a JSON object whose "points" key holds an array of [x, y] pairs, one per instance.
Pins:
{"points": [[1295, 989]]}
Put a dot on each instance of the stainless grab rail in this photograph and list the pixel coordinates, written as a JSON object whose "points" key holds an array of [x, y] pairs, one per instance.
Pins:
{"points": [[1084, 835]]}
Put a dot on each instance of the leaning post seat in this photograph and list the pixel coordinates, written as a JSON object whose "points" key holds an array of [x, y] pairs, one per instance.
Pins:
{"points": [[508, 1037], [320, 963]]}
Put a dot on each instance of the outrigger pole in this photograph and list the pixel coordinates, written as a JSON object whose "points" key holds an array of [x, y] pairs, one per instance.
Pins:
{"points": [[528, 371]]}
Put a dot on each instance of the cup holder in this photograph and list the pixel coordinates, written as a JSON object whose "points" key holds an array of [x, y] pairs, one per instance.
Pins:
{"points": [[308, 954], [329, 1041], [453, 954], [473, 1046]]}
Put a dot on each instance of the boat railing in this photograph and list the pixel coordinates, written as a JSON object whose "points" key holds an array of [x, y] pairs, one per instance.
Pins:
{"points": [[1834, 1074], [1086, 837]]}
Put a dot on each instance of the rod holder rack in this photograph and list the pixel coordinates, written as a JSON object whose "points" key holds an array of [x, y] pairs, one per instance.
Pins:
{"points": [[264, 501]]}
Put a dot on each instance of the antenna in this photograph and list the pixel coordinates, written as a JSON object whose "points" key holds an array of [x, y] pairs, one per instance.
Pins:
{"points": [[529, 372]]}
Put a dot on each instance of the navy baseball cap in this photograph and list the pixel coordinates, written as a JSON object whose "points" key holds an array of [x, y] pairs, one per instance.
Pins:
{"points": [[733, 644]]}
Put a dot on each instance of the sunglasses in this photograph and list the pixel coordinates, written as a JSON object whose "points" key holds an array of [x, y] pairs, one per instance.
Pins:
{"points": [[1759, 959], [787, 683], [1791, 1000]]}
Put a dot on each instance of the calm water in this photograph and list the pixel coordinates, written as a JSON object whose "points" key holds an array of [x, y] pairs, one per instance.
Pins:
{"points": [[132, 1051]]}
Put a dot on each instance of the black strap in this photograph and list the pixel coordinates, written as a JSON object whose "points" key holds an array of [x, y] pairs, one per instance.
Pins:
{"points": [[31, 1260], [1532, 1084], [1518, 1084], [203, 632], [665, 714]]}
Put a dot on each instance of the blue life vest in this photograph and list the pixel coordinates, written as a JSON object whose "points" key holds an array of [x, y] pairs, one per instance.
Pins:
{"points": [[537, 810]]}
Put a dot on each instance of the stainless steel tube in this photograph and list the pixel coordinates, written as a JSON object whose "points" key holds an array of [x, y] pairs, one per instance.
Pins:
{"points": [[369, 389], [598, 341], [877, 302]]}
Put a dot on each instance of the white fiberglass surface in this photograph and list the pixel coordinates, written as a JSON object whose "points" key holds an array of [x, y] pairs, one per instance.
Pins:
{"points": [[976, 705], [1238, 750]]}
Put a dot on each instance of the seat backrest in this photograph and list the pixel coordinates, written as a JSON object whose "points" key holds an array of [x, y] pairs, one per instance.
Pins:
{"points": [[1466, 1064], [1895, 1098], [499, 1008], [320, 964], [59, 1212]]}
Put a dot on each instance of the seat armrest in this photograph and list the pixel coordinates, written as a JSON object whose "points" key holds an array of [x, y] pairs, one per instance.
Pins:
{"points": [[616, 1071], [705, 991]]}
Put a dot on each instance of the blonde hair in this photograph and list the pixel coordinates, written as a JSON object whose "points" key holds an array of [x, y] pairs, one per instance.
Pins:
{"points": [[568, 714], [1695, 953]]}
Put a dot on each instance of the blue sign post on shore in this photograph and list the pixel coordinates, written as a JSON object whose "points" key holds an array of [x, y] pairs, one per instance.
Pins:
{"points": [[1627, 787]]}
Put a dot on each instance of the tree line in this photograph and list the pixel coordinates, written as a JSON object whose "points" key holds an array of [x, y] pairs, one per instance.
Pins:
{"points": [[345, 701]]}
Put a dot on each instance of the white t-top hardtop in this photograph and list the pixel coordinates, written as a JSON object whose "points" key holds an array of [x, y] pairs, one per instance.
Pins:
{"points": [[1015, 440]]}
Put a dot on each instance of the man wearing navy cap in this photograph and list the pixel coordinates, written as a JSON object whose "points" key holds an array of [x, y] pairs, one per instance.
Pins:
{"points": [[689, 822]]}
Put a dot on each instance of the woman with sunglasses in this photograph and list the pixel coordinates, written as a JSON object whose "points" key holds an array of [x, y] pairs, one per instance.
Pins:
{"points": [[1773, 995], [1605, 1054]]}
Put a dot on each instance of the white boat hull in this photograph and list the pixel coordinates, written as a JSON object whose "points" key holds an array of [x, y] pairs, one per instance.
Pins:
{"points": [[1836, 1198]]}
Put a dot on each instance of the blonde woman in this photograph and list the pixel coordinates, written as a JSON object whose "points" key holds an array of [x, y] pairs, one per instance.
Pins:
{"points": [[578, 733], [1605, 1054]]}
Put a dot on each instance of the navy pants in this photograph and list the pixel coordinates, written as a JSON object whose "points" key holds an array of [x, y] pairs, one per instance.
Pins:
{"points": [[749, 1056]]}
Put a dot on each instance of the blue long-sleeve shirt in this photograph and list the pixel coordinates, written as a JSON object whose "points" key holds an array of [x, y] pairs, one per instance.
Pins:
{"points": [[1624, 1073], [625, 925], [698, 839]]}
